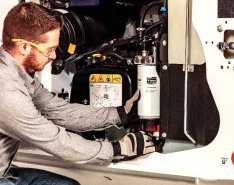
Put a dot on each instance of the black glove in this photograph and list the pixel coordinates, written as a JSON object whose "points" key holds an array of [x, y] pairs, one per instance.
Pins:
{"points": [[133, 145], [128, 112]]}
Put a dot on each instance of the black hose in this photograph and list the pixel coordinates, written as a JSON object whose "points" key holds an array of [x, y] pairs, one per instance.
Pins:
{"points": [[153, 25], [146, 10]]}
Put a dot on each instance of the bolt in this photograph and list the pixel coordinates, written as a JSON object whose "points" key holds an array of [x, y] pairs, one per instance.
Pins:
{"points": [[219, 28], [129, 62], [164, 67], [164, 43], [164, 134]]}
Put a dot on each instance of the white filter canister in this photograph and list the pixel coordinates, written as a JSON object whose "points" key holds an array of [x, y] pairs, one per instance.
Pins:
{"points": [[149, 86]]}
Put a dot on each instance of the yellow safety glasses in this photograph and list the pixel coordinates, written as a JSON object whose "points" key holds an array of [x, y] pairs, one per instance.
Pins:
{"points": [[45, 51]]}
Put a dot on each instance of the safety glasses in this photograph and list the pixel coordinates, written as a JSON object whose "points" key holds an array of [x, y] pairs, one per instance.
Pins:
{"points": [[45, 51]]}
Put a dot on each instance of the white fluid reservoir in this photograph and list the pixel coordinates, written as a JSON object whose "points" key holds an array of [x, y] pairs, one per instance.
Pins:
{"points": [[149, 86]]}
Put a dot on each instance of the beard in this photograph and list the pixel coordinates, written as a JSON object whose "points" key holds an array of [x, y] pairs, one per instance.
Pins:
{"points": [[29, 63]]}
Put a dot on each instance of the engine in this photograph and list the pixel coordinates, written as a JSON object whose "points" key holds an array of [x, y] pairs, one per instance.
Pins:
{"points": [[114, 48]]}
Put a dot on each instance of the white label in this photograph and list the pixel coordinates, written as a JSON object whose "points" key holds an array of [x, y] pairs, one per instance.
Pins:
{"points": [[105, 90]]}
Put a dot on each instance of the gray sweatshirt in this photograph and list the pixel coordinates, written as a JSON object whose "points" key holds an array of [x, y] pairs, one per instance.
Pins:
{"points": [[29, 113]]}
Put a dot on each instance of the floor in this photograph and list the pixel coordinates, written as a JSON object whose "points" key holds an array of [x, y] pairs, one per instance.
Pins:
{"points": [[100, 176], [90, 177]]}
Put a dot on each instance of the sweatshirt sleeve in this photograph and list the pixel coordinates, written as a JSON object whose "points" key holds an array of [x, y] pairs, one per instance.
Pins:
{"points": [[20, 119], [74, 116]]}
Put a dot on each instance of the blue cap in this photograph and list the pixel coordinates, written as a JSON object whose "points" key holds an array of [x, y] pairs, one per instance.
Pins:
{"points": [[163, 9]]}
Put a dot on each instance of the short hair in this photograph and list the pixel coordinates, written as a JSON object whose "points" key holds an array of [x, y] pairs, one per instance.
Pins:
{"points": [[29, 21]]}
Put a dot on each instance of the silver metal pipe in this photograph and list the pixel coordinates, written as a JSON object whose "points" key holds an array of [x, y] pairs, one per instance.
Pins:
{"points": [[186, 73]]}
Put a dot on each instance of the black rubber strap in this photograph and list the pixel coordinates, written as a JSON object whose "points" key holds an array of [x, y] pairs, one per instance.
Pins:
{"points": [[122, 114], [140, 143], [116, 148], [131, 137]]}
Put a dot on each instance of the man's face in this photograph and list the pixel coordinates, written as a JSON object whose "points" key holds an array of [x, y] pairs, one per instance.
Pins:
{"points": [[36, 60]]}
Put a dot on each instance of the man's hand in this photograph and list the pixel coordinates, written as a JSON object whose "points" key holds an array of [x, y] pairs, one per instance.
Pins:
{"points": [[128, 112], [133, 145], [131, 101]]}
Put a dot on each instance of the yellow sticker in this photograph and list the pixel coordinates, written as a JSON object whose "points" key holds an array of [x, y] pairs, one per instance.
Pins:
{"points": [[100, 78], [105, 78], [92, 78], [71, 48], [117, 78], [108, 78]]}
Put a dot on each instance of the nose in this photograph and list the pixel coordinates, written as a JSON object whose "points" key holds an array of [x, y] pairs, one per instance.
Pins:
{"points": [[52, 55]]}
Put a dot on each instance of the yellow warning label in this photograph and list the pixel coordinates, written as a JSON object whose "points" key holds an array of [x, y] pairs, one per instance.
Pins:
{"points": [[117, 78], [105, 78], [101, 78], [71, 48], [108, 78], [92, 78]]}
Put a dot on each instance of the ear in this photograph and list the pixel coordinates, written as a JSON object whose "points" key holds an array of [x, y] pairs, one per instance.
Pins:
{"points": [[24, 48]]}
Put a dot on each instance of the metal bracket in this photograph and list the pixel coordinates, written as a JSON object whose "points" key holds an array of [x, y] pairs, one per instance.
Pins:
{"points": [[190, 68], [226, 45]]}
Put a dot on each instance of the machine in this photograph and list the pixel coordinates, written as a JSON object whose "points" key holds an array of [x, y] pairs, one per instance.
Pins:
{"points": [[179, 53], [114, 48], [108, 70]]}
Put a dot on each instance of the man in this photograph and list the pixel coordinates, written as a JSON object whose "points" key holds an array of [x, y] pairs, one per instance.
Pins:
{"points": [[31, 114]]}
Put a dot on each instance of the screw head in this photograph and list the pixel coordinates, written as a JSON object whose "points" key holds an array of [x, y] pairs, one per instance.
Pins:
{"points": [[164, 43], [164, 67], [219, 28], [85, 102]]}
